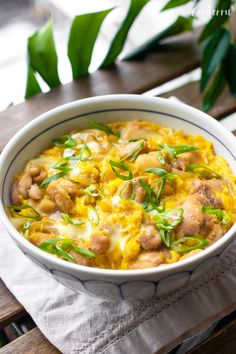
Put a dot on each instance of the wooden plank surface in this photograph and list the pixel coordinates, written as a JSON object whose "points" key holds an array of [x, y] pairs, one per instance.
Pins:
{"points": [[225, 105], [221, 342], [176, 57], [10, 308], [33, 342]]}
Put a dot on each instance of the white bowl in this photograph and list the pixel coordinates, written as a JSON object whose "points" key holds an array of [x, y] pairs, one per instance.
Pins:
{"points": [[114, 284]]}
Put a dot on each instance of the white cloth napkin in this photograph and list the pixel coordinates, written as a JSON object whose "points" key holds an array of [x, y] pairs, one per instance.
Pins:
{"points": [[77, 323]]}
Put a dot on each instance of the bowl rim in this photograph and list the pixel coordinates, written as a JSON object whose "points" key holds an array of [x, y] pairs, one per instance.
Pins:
{"points": [[113, 273]]}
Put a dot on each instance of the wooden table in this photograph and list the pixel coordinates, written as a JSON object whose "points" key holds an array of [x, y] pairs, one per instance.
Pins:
{"points": [[178, 56]]}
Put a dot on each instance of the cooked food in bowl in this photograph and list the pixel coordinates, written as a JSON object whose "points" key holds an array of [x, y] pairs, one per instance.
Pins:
{"points": [[125, 195]]}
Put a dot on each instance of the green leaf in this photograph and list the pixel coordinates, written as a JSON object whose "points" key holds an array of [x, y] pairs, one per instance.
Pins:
{"points": [[181, 245], [32, 85], [48, 180], [42, 55], [220, 16], [181, 24], [174, 3], [214, 89], [230, 68], [118, 41], [104, 128], [168, 219], [135, 152], [83, 34], [214, 52]]}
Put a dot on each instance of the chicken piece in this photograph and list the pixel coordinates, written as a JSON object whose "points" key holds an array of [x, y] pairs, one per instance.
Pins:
{"points": [[46, 206], [37, 172], [38, 237], [192, 217], [150, 160], [133, 189], [205, 190], [181, 163], [149, 259], [211, 228], [132, 147], [100, 239], [20, 189], [61, 191], [135, 130], [82, 260], [150, 238], [35, 192]]}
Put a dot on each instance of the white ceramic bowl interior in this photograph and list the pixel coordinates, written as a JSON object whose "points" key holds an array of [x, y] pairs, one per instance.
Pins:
{"points": [[37, 135]]}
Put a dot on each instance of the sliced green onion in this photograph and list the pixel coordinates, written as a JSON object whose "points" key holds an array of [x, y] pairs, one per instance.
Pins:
{"points": [[62, 166], [202, 170], [48, 180], [136, 139], [17, 210], [133, 190], [135, 152], [105, 128], [161, 172], [85, 153], [161, 157], [84, 251], [224, 217], [181, 247], [92, 191], [177, 150], [165, 236], [68, 220], [25, 226], [63, 254], [151, 201], [44, 245], [93, 216], [122, 166], [65, 141], [168, 219]]}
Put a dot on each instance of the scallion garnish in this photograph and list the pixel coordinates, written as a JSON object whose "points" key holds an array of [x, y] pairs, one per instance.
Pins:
{"points": [[168, 219], [166, 237], [177, 150], [122, 166], [127, 184], [51, 246], [161, 157], [162, 173], [224, 217], [93, 216], [92, 191], [85, 153], [84, 251], [48, 180], [68, 220], [202, 170], [17, 211], [184, 245], [25, 226], [152, 200], [135, 152], [65, 141], [105, 128]]}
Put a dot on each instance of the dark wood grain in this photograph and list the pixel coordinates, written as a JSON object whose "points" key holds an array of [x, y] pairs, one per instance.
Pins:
{"points": [[222, 342], [32, 342], [10, 308], [176, 57], [189, 94]]}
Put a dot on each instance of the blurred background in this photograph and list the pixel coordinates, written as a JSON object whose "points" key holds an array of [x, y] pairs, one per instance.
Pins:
{"points": [[20, 18]]}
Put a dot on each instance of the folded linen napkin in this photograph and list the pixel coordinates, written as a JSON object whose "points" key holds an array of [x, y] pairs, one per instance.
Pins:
{"points": [[78, 323]]}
